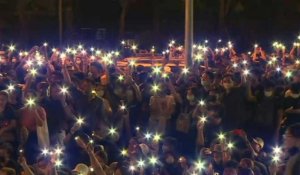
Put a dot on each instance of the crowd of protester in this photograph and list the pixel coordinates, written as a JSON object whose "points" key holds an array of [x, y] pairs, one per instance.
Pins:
{"points": [[74, 111]]}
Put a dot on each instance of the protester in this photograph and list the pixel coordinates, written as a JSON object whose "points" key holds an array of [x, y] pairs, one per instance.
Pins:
{"points": [[96, 113]]}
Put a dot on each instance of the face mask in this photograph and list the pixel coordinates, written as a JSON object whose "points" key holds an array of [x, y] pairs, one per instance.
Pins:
{"points": [[268, 93], [295, 95], [205, 83], [190, 97], [227, 85], [170, 159]]}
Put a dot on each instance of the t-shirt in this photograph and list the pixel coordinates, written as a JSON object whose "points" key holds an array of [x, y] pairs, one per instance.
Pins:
{"points": [[235, 108], [55, 115], [7, 116]]}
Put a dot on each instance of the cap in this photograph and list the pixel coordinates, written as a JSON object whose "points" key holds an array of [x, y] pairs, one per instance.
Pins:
{"points": [[259, 141], [81, 168]]}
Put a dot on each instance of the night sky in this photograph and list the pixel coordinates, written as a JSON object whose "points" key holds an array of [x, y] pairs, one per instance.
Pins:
{"points": [[150, 21]]}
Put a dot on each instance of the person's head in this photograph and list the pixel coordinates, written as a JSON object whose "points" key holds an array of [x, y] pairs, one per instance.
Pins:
{"points": [[56, 77], [192, 95], [245, 171], [213, 113], [81, 169], [3, 99], [42, 88], [296, 77], [54, 91], [227, 82], [85, 85], [257, 144], [269, 88], [6, 151], [207, 79], [295, 90], [246, 163], [7, 171], [169, 145], [292, 137], [230, 171], [96, 69], [217, 153]]}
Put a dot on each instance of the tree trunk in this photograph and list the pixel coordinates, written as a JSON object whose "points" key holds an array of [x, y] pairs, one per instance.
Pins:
{"points": [[125, 6]]}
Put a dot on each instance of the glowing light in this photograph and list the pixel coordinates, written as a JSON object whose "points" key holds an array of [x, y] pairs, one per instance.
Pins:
{"points": [[53, 50], [121, 77], [148, 136], [278, 69], [276, 158], [124, 152], [45, 44], [11, 48], [235, 65], [156, 70], [92, 49], [123, 42], [29, 63], [33, 72], [91, 141], [221, 136], [203, 119], [246, 72], [230, 145], [199, 57], [45, 152], [123, 107], [185, 70], [92, 169], [141, 163], [58, 151], [134, 47], [245, 62], [155, 88], [200, 165], [157, 137], [58, 163], [165, 75], [10, 88], [80, 121], [153, 160], [112, 131], [64, 90], [201, 102], [288, 74], [132, 63], [30, 102], [132, 168], [98, 52], [297, 62], [219, 40], [277, 150], [255, 45], [80, 46]]}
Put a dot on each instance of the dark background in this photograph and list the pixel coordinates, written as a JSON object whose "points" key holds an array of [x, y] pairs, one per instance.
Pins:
{"points": [[151, 22]]}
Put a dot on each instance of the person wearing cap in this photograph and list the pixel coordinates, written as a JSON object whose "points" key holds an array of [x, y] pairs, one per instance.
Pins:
{"points": [[81, 169]]}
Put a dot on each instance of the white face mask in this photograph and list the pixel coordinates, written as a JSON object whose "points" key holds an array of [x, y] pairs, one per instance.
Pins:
{"points": [[268, 93], [228, 85], [295, 95], [190, 97]]}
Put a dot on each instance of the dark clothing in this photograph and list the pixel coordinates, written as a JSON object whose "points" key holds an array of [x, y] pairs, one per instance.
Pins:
{"points": [[235, 108], [55, 115]]}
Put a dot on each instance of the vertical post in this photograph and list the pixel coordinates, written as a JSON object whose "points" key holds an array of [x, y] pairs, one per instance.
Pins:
{"points": [[188, 42], [60, 21]]}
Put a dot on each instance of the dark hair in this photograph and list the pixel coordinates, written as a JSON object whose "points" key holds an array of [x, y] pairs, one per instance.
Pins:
{"points": [[294, 130], [4, 93], [210, 75], [97, 65], [295, 87]]}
